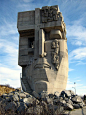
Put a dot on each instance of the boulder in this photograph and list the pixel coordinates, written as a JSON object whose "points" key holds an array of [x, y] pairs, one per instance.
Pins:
{"points": [[49, 100], [56, 94], [65, 93], [59, 111], [15, 97], [76, 106], [22, 102], [43, 95], [69, 101], [4, 96], [3, 102], [37, 110], [68, 106], [51, 95], [81, 105], [77, 99], [9, 98], [30, 101], [55, 101], [10, 106], [27, 94], [44, 104], [62, 102], [35, 94], [0, 98], [22, 108], [22, 95], [71, 92]]}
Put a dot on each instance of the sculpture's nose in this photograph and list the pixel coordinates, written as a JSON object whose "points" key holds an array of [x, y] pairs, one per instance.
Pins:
{"points": [[41, 43]]}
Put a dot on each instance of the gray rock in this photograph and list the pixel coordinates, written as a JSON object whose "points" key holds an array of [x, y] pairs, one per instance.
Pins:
{"points": [[22, 95], [68, 106], [62, 102], [16, 93], [81, 105], [50, 107], [4, 96], [77, 99], [10, 106], [30, 110], [49, 100], [76, 106], [43, 95], [55, 101], [30, 101], [37, 110], [59, 111], [22, 108], [11, 94], [17, 90], [36, 95], [3, 102], [44, 104], [56, 94], [72, 92], [21, 99], [66, 93], [18, 104], [15, 97], [27, 94], [0, 98], [51, 95], [9, 98], [66, 99], [69, 101]]}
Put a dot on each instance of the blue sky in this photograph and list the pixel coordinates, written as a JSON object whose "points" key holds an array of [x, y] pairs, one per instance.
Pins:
{"points": [[74, 13]]}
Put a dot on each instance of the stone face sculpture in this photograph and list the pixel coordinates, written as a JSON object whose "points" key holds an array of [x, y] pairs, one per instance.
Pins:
{"points": [[43, 53]]}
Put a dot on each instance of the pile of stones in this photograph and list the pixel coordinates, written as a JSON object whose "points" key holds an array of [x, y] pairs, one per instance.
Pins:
{"points": [[22, 103]]}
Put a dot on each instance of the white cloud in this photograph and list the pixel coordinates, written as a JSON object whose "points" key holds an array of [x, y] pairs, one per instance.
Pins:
{"points": [[71, 69], [80, 88], [8, 28], [78, 80], [10, 76], [27, 1], [78, 54], [76, 33], [9, 53]]}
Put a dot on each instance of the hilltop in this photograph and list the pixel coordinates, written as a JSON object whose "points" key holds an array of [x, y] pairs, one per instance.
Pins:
{"points": [[5, 89]]}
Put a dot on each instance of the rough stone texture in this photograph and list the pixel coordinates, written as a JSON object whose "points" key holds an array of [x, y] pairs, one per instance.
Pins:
{"points": [[28, 104], [10, 106], [77, 99], [35, 94], [43, 50], [76, 106], [68, 106]]}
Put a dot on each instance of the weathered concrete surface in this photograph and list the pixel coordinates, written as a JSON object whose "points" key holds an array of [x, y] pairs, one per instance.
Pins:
{"points": [[43, 53]]}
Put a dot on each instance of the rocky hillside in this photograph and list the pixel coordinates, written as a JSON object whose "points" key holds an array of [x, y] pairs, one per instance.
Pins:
{"points": [[5, 89]]}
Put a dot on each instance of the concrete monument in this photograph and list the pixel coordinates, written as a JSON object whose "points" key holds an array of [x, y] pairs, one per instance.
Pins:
{"points": [[43, 53]]}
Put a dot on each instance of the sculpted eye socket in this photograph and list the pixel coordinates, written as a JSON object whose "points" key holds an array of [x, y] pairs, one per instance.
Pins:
{"points": [[31, 42], [55, 34]]}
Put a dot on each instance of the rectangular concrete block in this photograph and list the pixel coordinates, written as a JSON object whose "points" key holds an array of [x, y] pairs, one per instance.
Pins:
{"points": [[41, 41]]}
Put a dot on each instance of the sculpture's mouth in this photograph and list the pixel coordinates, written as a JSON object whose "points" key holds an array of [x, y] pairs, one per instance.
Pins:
{"points": [[43, 65]]}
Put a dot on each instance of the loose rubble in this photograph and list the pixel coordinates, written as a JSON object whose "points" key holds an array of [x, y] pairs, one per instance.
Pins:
{"points": [[22, 103]]}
